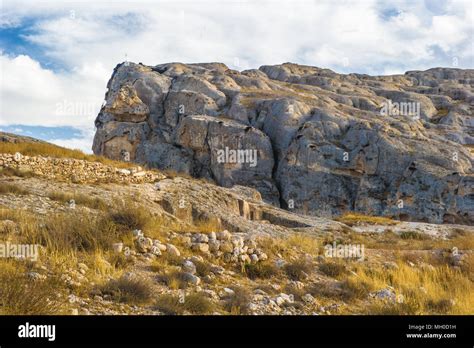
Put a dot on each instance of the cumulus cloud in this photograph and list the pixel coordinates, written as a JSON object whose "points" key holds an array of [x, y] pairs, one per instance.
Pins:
{"points": [[32, 95], [88, 38]]}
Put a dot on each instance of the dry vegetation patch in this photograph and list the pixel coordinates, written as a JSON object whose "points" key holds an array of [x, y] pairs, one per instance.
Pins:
{"points": [[352, 219]]}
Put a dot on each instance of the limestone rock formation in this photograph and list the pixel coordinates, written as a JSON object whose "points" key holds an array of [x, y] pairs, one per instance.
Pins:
{"points": [[325, 143]]}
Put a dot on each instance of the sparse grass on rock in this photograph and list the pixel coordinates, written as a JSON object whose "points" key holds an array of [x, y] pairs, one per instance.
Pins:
{"points": [[352, 219], [175, 304], [9, 171], [333, 269], [298, 270], [129, 290], [238, 302], [15, 189], [79, 198], [20, 295], [261, 270]]}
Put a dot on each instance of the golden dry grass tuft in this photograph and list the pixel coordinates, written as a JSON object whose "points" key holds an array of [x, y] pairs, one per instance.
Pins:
{"points": [[15, 189], [129, 290], [260, 270], [298, 269], [20, 295], [193, 303], [238, 302], [352, 219], [79, 198], [426, 290], [9, 171], [287, 246], [333, 269]]}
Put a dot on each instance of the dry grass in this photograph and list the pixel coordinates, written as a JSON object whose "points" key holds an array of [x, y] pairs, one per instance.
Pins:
{"points": [[129, 290], [79, 198], [298, 270], [174, 279], [130, 216], [352, 219], [9, 171], [297, 292], [6, 188], [415, 241], [413, 235], [333, 269], [207, 226], [73, 232], [261, 270], [19, 295], [252, 95], [119, 260], [425, 290], [45, 149], [193, 303], [238, 302], [289, 245], [203, 268]]}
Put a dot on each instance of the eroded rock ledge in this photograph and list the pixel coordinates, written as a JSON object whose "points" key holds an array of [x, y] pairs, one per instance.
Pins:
{"points": [[322, 145]]}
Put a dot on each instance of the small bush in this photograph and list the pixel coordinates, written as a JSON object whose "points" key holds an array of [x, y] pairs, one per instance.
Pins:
{"points": [[129, 290], [333, 269], [172, 259], [194, 303], [130, 216], [202, 268], [120, 261], [198, 304], [297, 270], [239, 301], [261, 270], [297, 292], [352, 289], [169, 304], [174, 280]]}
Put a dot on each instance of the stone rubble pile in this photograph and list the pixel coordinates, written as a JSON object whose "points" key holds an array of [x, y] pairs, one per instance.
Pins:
{"points": [[232, 248], [75, 170]]}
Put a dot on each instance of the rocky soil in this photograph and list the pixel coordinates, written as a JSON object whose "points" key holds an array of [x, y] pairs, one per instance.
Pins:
{"points": [[398, 146], [188, 246]]}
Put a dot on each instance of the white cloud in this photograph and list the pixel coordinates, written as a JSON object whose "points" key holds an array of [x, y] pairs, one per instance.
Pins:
{"points": [[101, 34], [84, 143], [32, 95]]}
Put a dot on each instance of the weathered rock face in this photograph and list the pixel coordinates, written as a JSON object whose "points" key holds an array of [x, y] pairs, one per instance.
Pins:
{"points": [[307, 139]]}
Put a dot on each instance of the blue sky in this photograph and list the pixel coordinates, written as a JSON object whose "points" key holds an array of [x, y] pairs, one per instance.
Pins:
{"points": [[56, 57]]}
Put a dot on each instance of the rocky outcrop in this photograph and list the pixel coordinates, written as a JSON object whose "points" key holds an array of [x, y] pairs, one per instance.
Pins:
{"points": [[308, 139]]}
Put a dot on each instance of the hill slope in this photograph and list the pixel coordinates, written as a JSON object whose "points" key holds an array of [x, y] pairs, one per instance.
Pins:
{"points": [[114, 238]]}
